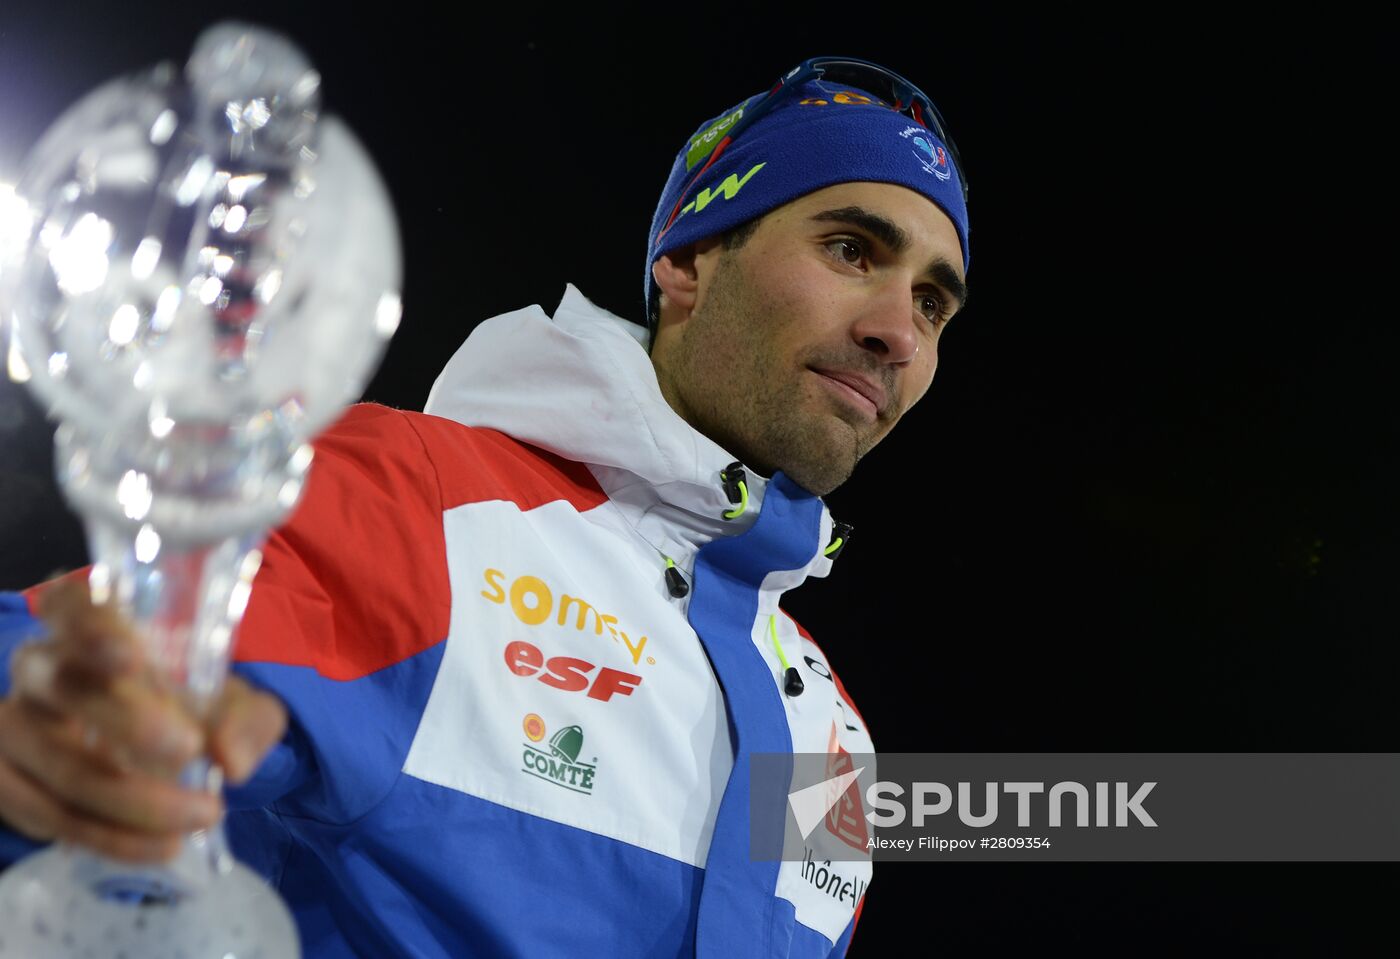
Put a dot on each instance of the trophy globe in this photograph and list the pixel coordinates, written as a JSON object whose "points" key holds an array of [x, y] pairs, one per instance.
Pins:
{"points": [[210, 274]]}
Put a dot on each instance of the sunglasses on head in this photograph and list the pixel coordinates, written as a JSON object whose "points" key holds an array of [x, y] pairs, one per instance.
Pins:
{"points": [[893, 91]]}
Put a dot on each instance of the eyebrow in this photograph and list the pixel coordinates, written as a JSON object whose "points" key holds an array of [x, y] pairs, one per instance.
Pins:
{"points": [[889, 233]]}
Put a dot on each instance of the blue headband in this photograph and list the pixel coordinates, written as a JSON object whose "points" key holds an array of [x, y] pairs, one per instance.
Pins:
{"points": [[820, 135]]}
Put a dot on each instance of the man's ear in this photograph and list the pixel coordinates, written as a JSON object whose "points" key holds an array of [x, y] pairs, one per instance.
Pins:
{"points": [[679, 273], [677, 278]]}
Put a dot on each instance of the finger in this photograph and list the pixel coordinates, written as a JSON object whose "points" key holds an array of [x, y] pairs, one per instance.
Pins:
{"points": [[26, 810], [136, 720], [29, 808], [33, 668], [99, 636], [247, 723], [34, 814], [47, 754]]}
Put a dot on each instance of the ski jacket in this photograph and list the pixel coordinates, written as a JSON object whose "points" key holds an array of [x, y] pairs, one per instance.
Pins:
{"points": [[528, 640]]}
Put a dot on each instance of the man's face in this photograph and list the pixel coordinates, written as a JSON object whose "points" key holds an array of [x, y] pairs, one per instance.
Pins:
{"points": [[753, 355]]}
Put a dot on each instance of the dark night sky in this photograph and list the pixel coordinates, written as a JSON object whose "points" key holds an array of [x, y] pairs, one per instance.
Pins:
{"points": [[1148, 503]]}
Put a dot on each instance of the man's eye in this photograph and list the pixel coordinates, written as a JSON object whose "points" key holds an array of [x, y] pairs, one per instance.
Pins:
{"points": [[845, 244], [932, 307]]}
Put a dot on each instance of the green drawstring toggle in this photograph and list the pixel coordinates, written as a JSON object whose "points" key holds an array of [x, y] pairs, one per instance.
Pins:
{"points": [[840, 536], [792, 680], [732, 476], [743, 503]]}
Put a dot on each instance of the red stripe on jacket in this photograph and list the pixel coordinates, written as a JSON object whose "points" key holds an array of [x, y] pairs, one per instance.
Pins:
{"points": [[841, 689], [356, 579]]}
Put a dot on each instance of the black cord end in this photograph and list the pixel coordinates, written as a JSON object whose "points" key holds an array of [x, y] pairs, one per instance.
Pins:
{"points": [[842, 532], [676, 583], [731, 476], [792, 682]]}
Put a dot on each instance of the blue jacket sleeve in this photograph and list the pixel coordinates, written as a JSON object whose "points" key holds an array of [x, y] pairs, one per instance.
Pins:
{"points": [[348, 618], [16, 628]]}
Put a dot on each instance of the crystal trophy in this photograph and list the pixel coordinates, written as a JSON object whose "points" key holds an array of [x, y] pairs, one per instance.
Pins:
{"points": [[210, 273]]}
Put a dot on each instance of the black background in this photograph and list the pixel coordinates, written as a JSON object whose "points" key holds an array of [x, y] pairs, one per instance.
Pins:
{"points": [[1147, 504]]}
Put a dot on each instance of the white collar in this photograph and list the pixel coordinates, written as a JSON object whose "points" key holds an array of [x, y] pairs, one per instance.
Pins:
{"points": [[582, 385]]}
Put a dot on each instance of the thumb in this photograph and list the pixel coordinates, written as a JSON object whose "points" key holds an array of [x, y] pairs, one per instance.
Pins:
{"points": [[244, 726]]}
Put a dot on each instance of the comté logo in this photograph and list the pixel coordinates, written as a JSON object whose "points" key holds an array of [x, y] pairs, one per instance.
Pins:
{"points": [[559, 765], [569, 673]]}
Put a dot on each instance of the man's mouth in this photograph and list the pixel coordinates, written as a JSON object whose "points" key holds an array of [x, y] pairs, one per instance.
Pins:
{"points": [[858, 391]]}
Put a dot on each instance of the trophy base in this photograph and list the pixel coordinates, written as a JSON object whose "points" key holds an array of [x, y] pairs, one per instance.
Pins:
{"points": [[55, 904]]}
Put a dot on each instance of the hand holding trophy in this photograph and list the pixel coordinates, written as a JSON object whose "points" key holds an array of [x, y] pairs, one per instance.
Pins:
{"points": [[209, 274]]}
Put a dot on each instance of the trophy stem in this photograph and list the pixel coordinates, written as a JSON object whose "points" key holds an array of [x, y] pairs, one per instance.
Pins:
{"points": [[185, 601]]}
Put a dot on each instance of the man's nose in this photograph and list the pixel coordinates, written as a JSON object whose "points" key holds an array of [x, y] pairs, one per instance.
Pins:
{"points": [[886, 326]]}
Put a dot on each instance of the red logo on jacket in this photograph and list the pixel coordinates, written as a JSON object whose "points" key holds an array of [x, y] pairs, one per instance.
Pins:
{"points": [[568, 672]]}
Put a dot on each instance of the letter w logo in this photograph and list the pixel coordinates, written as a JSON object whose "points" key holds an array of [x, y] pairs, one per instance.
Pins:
{"points": [[730, 186]]}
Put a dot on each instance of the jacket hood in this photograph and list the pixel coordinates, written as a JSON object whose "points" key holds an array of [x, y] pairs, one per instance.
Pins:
{"points": [[581, 385]]}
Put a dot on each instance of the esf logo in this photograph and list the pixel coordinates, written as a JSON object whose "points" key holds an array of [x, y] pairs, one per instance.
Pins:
{"points": [[569, 673]]}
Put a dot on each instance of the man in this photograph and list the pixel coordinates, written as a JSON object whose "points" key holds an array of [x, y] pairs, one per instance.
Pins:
{"points": [[527, 640]]}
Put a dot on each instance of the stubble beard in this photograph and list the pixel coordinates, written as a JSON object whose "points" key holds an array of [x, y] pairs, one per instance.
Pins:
{"points": [[757, 404]]}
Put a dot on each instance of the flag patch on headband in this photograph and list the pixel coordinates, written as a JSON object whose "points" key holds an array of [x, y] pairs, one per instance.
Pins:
{"points": [[929, 152]]}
